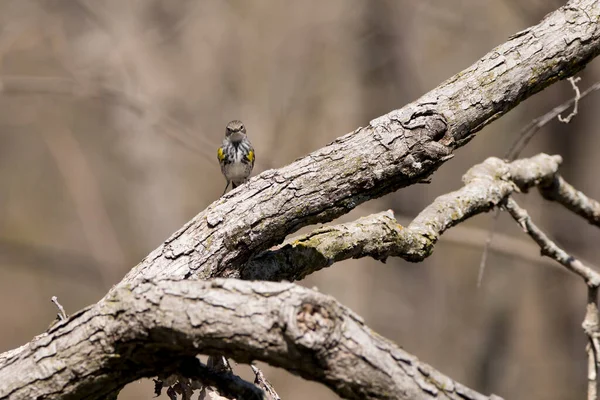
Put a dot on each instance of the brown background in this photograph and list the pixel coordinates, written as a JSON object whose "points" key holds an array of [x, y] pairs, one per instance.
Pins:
{"points": [[112, 111]]}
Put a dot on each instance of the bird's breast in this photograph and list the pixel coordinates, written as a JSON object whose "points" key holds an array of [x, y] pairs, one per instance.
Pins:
{"points": [[237, 172]]}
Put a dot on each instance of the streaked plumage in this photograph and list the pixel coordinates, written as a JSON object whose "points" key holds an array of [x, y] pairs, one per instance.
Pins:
{"points": [[236, 155]]}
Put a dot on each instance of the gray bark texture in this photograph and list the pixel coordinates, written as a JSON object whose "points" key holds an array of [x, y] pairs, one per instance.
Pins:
{"points": [[163, 311], [396, 150]]}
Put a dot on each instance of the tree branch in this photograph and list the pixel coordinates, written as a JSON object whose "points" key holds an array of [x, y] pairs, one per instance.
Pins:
{"points": [[380, 236], [562, 192], [591, 326], [148, 329], [549, 248], [529, 131], [525, 135], [141, 327], [394, 151], [262, 382], [591, 277], [229, 384]]}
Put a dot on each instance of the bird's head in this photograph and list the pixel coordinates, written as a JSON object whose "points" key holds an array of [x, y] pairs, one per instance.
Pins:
{"points": [[235, 131]]}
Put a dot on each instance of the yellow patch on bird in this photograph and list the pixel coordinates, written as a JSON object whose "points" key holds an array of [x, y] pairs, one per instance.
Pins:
{"points": [[220, 154], [250, 156]]}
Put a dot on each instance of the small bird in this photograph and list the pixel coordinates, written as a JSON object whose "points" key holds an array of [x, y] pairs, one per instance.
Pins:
{"points": [[236, 155]]}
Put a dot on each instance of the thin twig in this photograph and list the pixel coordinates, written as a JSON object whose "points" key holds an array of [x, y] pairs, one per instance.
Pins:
{"points": [[592, 278], [548, 247], [487, 246], [573, 113], [62, 315], [193, 375], [563, 193], [529, 131], [526, 134], [263, 383], [590, 327]]}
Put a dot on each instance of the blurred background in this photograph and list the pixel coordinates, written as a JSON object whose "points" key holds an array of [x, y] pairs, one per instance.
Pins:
{"points": [[111, 113]]}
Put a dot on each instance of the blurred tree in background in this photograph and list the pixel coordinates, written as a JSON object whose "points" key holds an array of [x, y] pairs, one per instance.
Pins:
{"points": [[111, 113]]}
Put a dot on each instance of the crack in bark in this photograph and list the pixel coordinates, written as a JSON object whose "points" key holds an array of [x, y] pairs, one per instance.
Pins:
{"points": [[380, 236], [366, 171], [139, 328]]}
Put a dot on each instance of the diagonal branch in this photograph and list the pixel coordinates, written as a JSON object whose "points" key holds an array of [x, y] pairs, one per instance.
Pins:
{"points": [[591, 277], [591, 326], [262, 382], [562, 192], [549, 248], [149, 329], [393, 151], [529, 131], [380, 236], [229, 384], [525, 135], [141, 328]]}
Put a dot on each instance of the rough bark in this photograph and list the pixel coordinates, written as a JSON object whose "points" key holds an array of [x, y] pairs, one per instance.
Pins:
{"points": [[380, 236], [149, 329], [562, 192], [158, 327], [139, 328], [393, 151]]}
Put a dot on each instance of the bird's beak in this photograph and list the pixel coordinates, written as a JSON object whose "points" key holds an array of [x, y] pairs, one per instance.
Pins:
{"points": [[237, 136]]}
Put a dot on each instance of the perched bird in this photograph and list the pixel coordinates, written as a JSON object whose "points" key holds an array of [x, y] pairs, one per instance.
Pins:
{"points": [[236, 155]]}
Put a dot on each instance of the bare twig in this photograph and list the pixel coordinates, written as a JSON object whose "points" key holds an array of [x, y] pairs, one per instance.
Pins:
{"points": [[548, 247], [567, 119], [380, 236], [562, 192], [217, 363], [591, 323], [62, 315], [591, 326], [526, 134], [228, 384], [263, 383], [141, 326], [486, 248], [529, 131]]}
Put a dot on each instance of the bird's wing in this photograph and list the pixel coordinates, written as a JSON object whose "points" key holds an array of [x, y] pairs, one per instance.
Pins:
{"points": [[250, 156]]}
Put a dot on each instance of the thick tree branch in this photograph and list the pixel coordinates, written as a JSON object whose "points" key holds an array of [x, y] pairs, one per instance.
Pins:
{"points": [[141, 327], [380, 236], [149, 329], [394, 151]]}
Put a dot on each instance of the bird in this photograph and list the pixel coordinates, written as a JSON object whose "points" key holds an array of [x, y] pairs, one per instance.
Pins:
{"points": [[236, 155]]}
